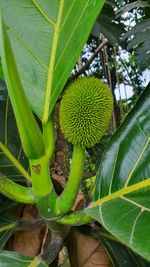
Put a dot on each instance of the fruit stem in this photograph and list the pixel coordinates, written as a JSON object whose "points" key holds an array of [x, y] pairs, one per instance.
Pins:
{"points": [[68, 196]]}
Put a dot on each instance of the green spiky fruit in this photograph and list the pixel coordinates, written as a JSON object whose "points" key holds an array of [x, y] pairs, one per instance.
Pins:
{"points": [[85, 111]]}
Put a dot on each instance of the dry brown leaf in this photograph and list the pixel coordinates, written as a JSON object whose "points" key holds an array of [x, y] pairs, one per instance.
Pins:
{"points": [[28, 242], [85, 251]]}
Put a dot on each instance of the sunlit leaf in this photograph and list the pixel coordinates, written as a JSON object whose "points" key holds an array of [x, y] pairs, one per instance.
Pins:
{"points": [[47, 38]]}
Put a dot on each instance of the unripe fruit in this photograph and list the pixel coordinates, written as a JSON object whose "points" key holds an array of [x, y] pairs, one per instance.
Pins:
{"points": [[85, 111]]}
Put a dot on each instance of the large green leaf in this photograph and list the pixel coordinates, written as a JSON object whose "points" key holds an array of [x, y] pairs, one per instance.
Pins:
{"points": [[12, 160], [47, 38], [122, 198]]}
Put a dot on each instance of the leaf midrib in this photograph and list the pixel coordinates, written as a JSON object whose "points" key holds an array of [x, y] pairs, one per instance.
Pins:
{"points": [[51, 63], [121, 192]]}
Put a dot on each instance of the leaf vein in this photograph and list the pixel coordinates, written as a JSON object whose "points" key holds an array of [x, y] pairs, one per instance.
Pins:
{"points": [[135, 203], [51, 63], [134, 225], [114, 167], [43, 13], [67, 15], [137, 162], [28, 49]]}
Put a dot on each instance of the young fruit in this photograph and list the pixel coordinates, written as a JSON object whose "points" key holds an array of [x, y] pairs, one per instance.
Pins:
{"points": [[85, 111]]}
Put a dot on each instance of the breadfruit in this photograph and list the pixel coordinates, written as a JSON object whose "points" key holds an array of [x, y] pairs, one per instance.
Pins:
{"points": [[85, 111]]}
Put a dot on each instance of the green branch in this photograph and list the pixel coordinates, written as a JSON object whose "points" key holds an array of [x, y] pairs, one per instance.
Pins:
{"points": [[68, 196], [16, 192]]}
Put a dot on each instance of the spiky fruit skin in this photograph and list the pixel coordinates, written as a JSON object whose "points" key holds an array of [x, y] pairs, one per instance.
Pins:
{"points": [[85, 111]]}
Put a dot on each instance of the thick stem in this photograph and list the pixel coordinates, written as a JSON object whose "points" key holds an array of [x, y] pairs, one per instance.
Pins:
{"points": [[16, 192], [68, 196], [43, 187], [41, 180]]}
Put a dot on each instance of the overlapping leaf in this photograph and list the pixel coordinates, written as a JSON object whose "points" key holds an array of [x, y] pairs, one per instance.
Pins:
{"points": [[47, 38], [132, 5], [120, 255], [6, 218], [122, 202], [140, 42], [9, 145], [107, 25], [10, 141], [9, 259]]}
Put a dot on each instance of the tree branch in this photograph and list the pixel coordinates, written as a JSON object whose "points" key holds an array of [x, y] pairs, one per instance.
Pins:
{"points": [[88, 63], [29, 225]]}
